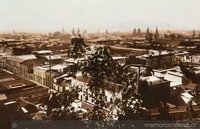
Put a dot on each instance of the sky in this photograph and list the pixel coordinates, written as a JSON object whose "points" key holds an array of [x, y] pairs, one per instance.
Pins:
{"points": [[52, 15]]}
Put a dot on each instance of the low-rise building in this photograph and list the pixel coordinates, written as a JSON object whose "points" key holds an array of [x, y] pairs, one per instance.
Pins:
{"points": [[154, 59], [39, 74], [112, 90]]}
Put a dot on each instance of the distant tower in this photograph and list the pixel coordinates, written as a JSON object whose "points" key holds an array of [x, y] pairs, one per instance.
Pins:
{"points": [[63, 30], [139, 30], [73, 32], [134, 31], [193, 34], [106, 31], [78, 31], [98, 31], [148, 36], [156, 35]]}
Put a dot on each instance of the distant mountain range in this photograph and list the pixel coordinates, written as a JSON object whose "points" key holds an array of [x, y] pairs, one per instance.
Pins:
{"points": [[131, 24]]}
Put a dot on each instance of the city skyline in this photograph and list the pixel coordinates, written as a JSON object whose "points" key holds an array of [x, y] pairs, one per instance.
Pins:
{"points": [[51, 15]]}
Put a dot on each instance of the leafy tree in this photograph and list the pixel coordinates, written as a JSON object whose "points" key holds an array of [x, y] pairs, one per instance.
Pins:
{"points": [[172, 36], [56, 34], [77, 47], [189, 73], [164, 111], [132, 105], [189, 110], [99, 68], [59, 105]]}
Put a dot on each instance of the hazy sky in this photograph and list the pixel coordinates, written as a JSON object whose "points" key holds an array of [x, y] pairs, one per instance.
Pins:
{"points": [[51, 15]]}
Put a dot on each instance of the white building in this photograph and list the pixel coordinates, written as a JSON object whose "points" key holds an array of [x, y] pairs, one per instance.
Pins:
{"points": [[112, 91]]}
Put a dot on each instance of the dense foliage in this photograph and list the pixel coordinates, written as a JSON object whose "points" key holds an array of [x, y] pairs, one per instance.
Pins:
{"points": [[99, 68], [59, 105], [77, 47]]}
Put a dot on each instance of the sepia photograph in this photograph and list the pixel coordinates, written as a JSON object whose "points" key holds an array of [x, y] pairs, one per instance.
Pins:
{"points": [[99, 64]]}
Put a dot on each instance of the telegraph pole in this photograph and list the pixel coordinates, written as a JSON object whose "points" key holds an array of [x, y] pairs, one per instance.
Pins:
{"points": [[50, 72]]}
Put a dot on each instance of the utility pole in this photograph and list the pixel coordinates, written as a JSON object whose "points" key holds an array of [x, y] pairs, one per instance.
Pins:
{"points": [[50, 83]]}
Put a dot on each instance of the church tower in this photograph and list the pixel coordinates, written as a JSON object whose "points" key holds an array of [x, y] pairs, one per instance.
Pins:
{"points": [[73, 32], [139, 30], [156, 35], [78, 31], [193, 34], [106, 31], [148, 36], [134, 31], [63, 30]]}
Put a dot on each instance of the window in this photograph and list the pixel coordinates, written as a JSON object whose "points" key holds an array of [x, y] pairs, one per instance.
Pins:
{"points": [[86, 97], [77, 96], [111, 100]]}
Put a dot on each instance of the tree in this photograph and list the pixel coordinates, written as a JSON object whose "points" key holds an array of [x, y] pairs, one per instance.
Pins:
{"points": [[56, 34], [189, 110], [172, 36], [99, 69], [132, 105], [59, 105], [190, 73], [163, 110], [77, 47]]}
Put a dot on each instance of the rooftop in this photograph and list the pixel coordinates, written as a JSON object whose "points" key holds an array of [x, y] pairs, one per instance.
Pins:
{"points": [[72, 60], [175, 78], [59, 66], [27, 57], [153, 80], [44, 52], [44, 68], [110, 86], [54, 57], [16, 59], [3, 97]]}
